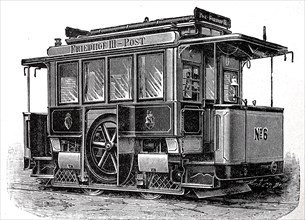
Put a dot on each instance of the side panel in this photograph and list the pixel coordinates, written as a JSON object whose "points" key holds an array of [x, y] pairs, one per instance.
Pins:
{"points": [[248, 136], [229, 136], [65, 121], [153, 120], [265, 136], [234, 136]]}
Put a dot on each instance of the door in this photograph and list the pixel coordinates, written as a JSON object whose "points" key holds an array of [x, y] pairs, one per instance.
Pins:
{"points": [[35, 137]]}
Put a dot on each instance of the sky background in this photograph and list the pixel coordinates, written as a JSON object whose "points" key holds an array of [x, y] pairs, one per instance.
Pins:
{"points": [[28, 28]]}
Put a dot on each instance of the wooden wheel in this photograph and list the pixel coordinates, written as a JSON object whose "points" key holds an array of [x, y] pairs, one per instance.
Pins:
{"points": [[150, 196], [101, 151], [92, 192], [102, 157]]}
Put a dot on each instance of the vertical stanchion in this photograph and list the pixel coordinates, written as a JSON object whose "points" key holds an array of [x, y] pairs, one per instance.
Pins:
{"points": [[215, 74], [271, 81], [83, 145], [28, 87]]}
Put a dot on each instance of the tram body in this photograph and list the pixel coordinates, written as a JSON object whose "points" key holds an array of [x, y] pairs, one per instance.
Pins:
{"points": [[154, 107]]}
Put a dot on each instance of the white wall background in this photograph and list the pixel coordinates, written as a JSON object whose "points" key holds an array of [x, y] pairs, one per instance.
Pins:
{"points": [[28, 28]]}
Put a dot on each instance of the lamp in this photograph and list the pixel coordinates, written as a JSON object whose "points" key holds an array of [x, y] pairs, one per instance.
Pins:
{"points": [[234, 82]]}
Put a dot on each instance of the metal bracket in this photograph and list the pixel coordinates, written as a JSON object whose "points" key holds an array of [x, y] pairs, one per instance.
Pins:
{"points": [[182, 48], [24, 70], [292, 56], [248, 62], [37, 68]]}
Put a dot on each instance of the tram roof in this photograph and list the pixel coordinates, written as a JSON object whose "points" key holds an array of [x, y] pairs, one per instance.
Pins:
{"points": [[240, 45], [200, 18]]}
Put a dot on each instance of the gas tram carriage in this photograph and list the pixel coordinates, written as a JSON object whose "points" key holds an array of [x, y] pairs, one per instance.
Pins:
{"points": [[153, 107]]}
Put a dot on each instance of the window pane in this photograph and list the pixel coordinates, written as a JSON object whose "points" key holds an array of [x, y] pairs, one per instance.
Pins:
{"points": [[215, 33], [205, 31], [187, 82], [191, 54], [150, 72], [210, 79], [191, 83], [94, 74], [68, 82], [229, 91], [120, 78]]}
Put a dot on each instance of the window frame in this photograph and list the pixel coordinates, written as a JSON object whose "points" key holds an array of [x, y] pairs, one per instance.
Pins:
{"points": [[138, 78], [58, 82], [230, 70], [200, 74], [131, 80], [206, 56], [83, 80]]}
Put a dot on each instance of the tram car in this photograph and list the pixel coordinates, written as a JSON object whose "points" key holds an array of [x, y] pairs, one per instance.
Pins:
{"points": [[154, 107]]}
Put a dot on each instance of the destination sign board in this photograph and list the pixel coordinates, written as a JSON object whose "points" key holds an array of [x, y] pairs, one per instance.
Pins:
{"points": [[111, 44], [203, 15]]}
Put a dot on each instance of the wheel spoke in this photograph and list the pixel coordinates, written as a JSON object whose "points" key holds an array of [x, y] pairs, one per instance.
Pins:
{"points": [[114, 136], [114, 162], [103, 159], [107, 136], [98, 143]]}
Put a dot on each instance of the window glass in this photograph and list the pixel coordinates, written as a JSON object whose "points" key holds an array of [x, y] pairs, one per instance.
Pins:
{"points": [[150, 73], [191, 54], [94, 80], [191, 83], [188, 30], [120, 78], [210, 78], [229, 90], [205, 31], [215, 33], [68, 82]]}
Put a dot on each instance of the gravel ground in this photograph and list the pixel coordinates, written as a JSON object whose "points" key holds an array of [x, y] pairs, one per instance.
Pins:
{"points": [[27, 194]]}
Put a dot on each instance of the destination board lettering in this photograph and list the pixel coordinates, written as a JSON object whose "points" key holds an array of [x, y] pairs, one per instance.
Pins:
{"points": [[108, 44], [119, 43], [203, 15]]}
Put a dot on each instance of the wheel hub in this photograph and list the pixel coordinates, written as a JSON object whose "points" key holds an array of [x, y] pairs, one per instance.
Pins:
{"points": [[108, 146]]}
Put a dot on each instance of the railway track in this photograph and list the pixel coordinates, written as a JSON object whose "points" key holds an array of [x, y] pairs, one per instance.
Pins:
{"points": [[63, 203], [271, 203]]}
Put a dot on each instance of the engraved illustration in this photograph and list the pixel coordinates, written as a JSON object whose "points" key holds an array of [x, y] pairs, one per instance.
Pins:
{"points": [[154, 118]]}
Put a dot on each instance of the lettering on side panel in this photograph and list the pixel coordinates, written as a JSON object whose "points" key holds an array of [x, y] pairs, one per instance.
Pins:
{"points": [[260, 133]]}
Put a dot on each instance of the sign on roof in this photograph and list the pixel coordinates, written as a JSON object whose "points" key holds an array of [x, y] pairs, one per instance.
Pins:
{"points": [[119, 43], [203, 15]]}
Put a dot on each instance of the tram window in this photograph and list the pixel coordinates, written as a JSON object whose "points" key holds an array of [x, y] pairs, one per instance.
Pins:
{"points": [[210, 78], [120, 78], [68, 82], [191, 83], [230, 91], [150, 76], [215, 33], [206, 31], [94, 78], [188, 30], [192, 55]]}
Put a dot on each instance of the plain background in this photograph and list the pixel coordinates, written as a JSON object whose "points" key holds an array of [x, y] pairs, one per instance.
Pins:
{"points": [[28, 28]]}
